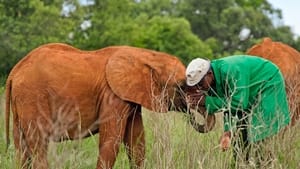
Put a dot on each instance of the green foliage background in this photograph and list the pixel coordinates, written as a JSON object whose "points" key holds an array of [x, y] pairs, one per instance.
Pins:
{"points": [[184, 28]]}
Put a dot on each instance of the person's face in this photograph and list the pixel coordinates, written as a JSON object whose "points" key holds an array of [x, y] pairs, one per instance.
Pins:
{"points": [[207, 81]]}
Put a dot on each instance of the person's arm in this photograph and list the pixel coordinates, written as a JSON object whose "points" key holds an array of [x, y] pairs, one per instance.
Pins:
{"points": [[236, 81], [237, 85], [213, 104], [236, 94]]}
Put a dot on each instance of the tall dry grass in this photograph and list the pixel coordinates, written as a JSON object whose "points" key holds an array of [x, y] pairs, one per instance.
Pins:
{"points": [[171, 143]]}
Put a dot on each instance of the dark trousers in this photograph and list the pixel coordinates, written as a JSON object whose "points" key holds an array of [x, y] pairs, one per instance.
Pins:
{"points": [[241, 146], [243, 150]]}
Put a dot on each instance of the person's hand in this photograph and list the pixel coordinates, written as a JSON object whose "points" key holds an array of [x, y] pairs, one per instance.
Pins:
{"points": [[225, 141]]}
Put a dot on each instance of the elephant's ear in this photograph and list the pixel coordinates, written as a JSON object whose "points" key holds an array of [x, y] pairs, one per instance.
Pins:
{"points": [[144, 77]]}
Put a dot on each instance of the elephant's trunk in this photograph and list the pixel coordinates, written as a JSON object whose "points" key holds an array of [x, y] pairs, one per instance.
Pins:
{"points": [[208, 124], [194, 109]]}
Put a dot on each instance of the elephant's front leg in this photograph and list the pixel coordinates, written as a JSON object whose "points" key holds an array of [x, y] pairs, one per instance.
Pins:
{"points": [[134, 139], [112, 127]]}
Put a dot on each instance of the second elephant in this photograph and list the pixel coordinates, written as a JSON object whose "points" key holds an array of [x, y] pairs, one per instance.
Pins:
{"points": [[288, 60]]}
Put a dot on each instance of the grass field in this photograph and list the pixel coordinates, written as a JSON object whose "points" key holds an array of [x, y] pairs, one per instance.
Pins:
{"points": [[170, 144]]}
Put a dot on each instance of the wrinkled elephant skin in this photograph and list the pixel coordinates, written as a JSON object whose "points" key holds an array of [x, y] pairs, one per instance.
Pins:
{"points": [[58, 92], [288, 61]]}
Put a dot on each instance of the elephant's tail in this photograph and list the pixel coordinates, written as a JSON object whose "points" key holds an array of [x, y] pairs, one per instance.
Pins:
{"points": [[7, 109]]}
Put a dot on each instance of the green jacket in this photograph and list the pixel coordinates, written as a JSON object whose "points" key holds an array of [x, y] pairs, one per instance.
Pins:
{"points": [[251, 85]]}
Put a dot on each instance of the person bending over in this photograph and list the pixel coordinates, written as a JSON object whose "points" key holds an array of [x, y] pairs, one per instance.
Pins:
{"points": [[250, 92]]}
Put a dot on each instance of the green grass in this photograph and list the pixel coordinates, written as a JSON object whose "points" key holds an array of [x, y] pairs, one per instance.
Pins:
{"points": [[170, 144]]}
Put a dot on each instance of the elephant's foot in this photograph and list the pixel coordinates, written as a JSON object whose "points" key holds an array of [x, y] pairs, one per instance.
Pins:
{"points": [[33, 160], [107, 156]]}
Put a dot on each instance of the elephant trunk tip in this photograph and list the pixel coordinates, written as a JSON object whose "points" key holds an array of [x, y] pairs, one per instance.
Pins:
{"points": [[207, 126]]}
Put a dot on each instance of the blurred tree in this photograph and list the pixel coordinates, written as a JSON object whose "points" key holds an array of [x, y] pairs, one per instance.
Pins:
{"points": [[234, 24], [25, 25], [171, 35], [297, 44], [125, 23]]}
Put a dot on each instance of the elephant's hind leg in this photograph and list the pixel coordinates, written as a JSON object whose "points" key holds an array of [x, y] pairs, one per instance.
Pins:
{"points": [[134, 139], [30, 139], [31, 147], [34, 148], [23, 157]]}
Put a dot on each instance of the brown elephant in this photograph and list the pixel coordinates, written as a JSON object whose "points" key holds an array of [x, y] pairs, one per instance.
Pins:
{"points": [[58, 92], [288, 61]]}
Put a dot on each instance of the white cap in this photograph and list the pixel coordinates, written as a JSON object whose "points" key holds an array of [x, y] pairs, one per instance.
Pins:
{"points": [[196, 70]]}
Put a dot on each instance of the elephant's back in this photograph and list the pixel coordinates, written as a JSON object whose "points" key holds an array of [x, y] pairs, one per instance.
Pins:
{"points": [[58, 55], [59, 66], [284, 56]]}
